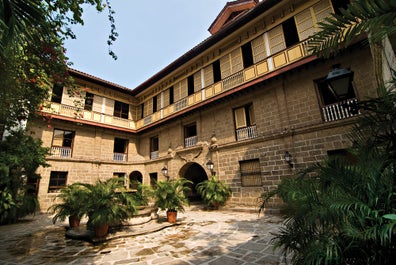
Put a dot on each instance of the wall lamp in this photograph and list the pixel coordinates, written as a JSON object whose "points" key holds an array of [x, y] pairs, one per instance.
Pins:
{"points": [[165, 172], [288, 158], [210, 166], [339, 80]]}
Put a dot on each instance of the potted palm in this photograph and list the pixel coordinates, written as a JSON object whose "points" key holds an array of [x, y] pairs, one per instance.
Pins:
{"points": [[214, 192], [170, 196], [72, 205], [107, 203]]}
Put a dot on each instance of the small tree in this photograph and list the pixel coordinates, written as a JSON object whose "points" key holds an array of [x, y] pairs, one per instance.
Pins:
{"points": [[20, 156]]}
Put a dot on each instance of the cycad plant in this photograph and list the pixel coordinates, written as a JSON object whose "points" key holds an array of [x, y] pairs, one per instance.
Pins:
{"points": [[214, 192], [170, 195], [108, 203], [341, 211]]}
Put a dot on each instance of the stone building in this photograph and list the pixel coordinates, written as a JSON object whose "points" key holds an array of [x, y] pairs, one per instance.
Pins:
{"points": [[251, 99]]}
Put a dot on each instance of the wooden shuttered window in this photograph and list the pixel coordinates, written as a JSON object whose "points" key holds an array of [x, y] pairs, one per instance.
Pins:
{"points": [[307, 20], [231, 63], [197, 81], [240, 118], [305, 24], [250, 173], [276, 39], [258, 49], [165, 96], [208, 75], [97, 103], [109, 106], [180, 90], [244, 116]]}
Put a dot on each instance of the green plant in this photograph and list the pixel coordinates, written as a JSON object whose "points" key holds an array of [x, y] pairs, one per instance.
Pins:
{"points": [[142, 194], [214, 192], [108, 202], [343, 211], [73, 203], [170, 195]]}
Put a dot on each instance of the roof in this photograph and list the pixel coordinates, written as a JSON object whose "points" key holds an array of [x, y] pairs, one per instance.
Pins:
{"points": [[223, 32], [98, 81], [231, 11]]}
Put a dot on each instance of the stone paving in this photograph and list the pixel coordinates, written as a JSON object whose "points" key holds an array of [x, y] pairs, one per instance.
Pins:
{"points": [[225, 237]]}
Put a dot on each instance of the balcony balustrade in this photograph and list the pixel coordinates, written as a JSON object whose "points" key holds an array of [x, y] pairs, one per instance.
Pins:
{"points": [[246, 133], [190, 141], [60, 152], [119, 157], [340, 110]]}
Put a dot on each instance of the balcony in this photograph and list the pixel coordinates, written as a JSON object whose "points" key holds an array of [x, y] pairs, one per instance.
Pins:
{"points": [[246, 133], [340, 110], [154, 155], [190, 141], [261, 68], [119, 157], [60, 152], [85, 115]]}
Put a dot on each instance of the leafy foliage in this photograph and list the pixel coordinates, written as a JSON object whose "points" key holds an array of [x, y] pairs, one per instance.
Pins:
{"points": [[373, 17], [340, 211], [142, 194], [214, 192], [108, 203], [20, 156], [170, 195], [73, 201]]}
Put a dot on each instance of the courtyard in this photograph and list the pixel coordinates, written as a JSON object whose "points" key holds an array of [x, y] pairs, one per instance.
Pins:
{"points": [[227, 236]]}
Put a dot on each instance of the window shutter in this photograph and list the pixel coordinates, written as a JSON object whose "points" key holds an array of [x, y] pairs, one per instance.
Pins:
{"points": [[165, 97], [68, 100], [97, 103], [183, 88], [305, 25], [240, 118], [58, 138], [197, 81], [236, 61], [251, 116], [148, 108], [225, 66], [208, 75], [109, 107], [276, 39], [177, 92], [322, 10], [258, 49]]}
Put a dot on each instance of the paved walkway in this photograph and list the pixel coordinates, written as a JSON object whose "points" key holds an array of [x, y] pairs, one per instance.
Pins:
{"points": [[225, 237]]}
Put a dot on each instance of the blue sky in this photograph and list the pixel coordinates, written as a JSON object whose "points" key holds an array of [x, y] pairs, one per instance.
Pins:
{"points": [[152, 34]]}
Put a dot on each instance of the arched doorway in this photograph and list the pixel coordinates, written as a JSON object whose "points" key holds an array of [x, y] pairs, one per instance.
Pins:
{"points": [[134, 179], [195, 173]]}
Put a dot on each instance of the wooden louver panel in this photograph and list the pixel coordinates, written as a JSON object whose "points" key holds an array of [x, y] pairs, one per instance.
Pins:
{"points": [[276, 39], [97, 104], [183, 88], [225, 66], [258, 49], [197, 81], [109, 106], [240, 118], [177, 92], [148, 107], [322, 10], [305, 24], [165, 97], [236, 61], [208, 75]]}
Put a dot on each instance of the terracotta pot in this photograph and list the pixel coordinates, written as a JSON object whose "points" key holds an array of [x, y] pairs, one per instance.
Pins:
{"points": [[101, 230], [172, 216], [74, 221]]}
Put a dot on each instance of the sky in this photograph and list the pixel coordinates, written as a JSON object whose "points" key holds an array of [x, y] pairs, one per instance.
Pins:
{"points": [[152, 34]]}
